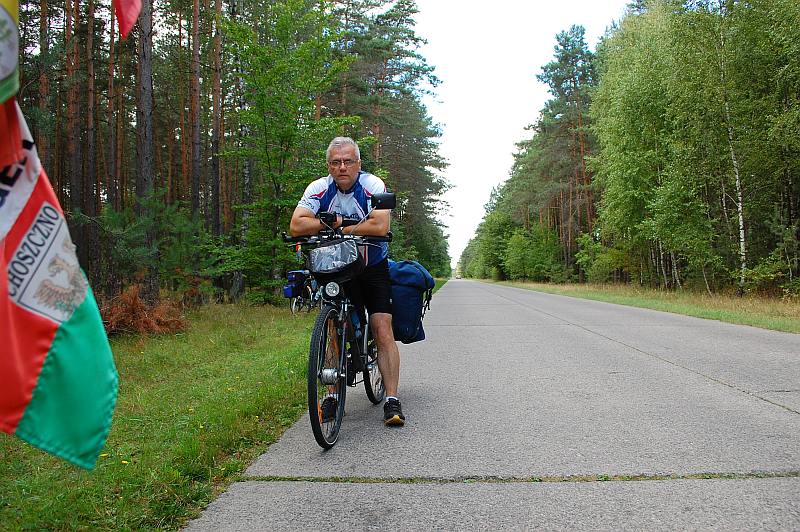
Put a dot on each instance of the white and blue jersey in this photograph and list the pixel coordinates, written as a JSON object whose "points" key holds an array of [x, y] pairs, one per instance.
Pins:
{"points": [[323, 195]]}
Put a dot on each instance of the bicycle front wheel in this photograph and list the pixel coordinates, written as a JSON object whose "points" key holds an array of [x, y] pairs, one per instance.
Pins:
{"points": [[373, 381], [295, 304], [327, 371]]}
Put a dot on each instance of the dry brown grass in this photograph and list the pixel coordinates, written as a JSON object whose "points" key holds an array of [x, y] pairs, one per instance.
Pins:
{"points": [[128, 313]]}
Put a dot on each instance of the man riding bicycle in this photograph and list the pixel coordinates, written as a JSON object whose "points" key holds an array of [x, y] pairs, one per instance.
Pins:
{"points": [[345, 191]]}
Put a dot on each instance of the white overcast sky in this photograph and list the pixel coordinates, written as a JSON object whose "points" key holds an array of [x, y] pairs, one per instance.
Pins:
{"points": [[487, 55]]}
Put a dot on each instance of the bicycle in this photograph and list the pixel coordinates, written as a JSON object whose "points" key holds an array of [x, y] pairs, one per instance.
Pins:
{"points": [[342, 346], [309, 298]]}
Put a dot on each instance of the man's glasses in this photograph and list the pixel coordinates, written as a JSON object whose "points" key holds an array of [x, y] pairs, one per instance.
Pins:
{"points": [[339, 162]]}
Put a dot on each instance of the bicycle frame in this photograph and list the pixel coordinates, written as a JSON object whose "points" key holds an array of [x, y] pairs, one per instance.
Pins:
{"points": [[348, 332]]}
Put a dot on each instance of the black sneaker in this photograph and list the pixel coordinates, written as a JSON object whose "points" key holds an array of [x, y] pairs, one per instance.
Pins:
{"points": [[328, 409], [393, 414]]}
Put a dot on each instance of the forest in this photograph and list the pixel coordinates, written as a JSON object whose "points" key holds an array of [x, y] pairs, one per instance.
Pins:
{"points": [[179, 153], [667, 158]]}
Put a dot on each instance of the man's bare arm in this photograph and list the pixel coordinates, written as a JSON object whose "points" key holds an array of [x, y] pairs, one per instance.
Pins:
{"points": [[377, 224], [305, 223]]}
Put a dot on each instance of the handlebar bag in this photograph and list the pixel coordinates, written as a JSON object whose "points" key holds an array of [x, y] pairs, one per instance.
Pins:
{"points": [[412, 288], [336, 260]]}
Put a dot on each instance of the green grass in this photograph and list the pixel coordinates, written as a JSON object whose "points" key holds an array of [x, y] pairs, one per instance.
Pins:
{"points": [[766, 313], [194, 409], [439, 283]]}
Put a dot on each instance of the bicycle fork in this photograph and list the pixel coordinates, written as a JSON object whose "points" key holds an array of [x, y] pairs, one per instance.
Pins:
{"points": [[356, 337]]}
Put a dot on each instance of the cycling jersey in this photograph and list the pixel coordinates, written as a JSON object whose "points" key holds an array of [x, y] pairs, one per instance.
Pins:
{"points": [[323, 195]]}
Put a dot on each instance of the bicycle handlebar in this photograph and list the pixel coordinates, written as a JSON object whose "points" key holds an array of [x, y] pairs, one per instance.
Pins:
{"points": [[329, 218], [293, 239], [347, 222], [328, 235], [387, 238]]}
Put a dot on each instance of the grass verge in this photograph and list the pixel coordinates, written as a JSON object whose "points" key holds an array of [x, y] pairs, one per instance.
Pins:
{"points": [[194, 409], [439, 283], [766, 313]]}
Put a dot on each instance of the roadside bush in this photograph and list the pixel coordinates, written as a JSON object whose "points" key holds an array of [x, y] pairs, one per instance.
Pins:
{"points": [[791, 290], [598, 261], [128, 313], [766, 277]]}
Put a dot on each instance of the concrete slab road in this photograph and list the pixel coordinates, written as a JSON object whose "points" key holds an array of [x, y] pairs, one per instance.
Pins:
{"points": [[528, 410]]}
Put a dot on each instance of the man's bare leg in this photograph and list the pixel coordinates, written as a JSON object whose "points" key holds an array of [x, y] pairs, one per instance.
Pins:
{"points": [[388, 354]]}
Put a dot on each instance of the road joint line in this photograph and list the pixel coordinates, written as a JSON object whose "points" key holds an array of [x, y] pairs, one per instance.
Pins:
{"points": [[552, 479]]}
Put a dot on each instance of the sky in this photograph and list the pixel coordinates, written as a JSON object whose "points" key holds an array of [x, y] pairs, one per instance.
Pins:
{"points": [[487, 56]]}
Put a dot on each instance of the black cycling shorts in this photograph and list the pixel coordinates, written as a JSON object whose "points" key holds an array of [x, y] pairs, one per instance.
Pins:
{"points": [[372, 288]]}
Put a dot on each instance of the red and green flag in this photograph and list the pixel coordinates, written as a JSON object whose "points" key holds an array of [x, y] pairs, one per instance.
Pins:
{"points": [[127, 12], [11, 147], [9, 48], [58, 383]]}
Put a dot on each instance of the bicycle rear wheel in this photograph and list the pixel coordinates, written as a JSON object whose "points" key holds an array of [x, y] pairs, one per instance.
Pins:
{"points": [[373, 381], [326, 378], [308, 298]]}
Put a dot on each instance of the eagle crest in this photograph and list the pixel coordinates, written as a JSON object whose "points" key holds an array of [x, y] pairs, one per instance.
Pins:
{"points": [[63, 298]]}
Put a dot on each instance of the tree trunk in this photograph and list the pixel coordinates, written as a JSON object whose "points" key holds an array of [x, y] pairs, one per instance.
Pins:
{"points": [[663, 264], [789, 198], [170, 162], [735, 164], [562, 226], [376, 112], [217, 126], [739, 207], [224, 178], [570, 230], [112, 186], [158, 173], [653, 265], [675, 276], [195, 111], [90, 178], [74, 129], [42, 139], [184, 183], [58, 148], [237, 284], [112, 285], [585, 178], [118, 171], [705, 280], [144, 178], [204, 184], [145, 152]]}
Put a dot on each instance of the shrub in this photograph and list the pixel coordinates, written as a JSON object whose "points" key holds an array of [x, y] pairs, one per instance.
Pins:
{"points": [[128, 313]]}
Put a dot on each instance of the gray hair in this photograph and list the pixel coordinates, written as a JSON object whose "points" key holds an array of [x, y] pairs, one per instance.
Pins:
{"points": [[339, 142]]}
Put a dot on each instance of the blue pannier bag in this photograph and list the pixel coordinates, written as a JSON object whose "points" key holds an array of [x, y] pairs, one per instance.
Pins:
{"points": [[295, 286], [297, 276], [291, 290], [412, 288]]}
